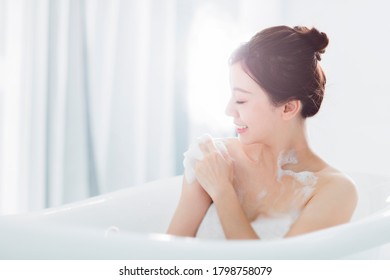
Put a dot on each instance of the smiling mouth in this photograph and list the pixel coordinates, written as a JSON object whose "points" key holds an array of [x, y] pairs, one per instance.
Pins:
{"points": [[240, 129], [241, 126]]}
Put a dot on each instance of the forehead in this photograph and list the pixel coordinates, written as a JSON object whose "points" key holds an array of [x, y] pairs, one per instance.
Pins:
{"points": [[240, 79]]}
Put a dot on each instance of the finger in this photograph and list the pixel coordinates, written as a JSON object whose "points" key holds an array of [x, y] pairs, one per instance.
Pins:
{"points": [[221, 146], [211, 145], [229, 159]]}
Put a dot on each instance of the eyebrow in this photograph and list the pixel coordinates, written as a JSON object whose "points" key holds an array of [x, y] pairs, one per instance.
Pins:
{"points": [[241, 90]]}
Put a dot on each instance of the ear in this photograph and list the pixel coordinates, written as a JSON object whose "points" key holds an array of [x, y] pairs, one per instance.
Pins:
{"points": [[291, 109]]}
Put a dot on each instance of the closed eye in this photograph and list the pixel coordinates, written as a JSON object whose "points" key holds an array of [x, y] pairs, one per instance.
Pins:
{"points": [[240, 102]]}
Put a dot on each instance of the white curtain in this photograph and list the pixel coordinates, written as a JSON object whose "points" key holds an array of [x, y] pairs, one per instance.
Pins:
{"points": [[96, 95], [86, 98]]}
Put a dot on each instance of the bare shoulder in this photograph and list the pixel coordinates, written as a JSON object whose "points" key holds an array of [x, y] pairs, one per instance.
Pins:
{"points": [[337, 188], [332, 203], [331, 179]]}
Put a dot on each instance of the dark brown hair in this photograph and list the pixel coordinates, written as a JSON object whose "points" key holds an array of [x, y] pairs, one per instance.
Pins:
{"points": [[284, 62]]}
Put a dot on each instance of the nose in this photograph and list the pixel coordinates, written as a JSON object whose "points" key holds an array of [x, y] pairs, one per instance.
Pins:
{"points": [[230, 109]]}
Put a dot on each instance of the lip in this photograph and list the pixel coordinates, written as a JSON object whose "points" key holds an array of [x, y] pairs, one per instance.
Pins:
{"points": [[240, 129]]}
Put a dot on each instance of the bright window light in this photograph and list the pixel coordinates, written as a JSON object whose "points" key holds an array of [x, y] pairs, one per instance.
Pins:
{"points": [[213, 38]]}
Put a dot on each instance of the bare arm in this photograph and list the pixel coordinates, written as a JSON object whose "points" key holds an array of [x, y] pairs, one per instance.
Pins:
{"points": [[193, 205], [234, 222], [215, 175]]}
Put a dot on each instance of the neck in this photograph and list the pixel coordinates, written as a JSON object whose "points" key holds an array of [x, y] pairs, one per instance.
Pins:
{"points": [[290, 142]]}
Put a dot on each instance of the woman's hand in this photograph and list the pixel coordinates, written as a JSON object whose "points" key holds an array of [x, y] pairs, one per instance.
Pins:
{"points": [[215, 174], [215, 171]]}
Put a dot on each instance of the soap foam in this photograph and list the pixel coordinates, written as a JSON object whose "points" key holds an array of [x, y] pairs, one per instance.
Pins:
{"points": [[306, 180], [274, 226], [193, 154], [111, 230]]}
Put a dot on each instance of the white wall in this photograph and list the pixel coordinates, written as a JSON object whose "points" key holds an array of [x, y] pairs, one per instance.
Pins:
{"points": [[352, 130]]}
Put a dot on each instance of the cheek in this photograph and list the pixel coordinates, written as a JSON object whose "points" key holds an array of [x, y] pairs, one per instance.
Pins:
{"points": [[256, 115], [262, 121]]}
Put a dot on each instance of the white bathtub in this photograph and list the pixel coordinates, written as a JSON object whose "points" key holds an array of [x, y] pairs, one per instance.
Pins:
{"points": [[129, 224]]}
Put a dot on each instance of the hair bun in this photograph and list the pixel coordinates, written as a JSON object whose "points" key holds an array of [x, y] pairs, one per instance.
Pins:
{"points": [[318, 40]]}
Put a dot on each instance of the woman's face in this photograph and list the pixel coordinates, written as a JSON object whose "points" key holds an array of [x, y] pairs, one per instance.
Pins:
{"points": [[255, 117]]}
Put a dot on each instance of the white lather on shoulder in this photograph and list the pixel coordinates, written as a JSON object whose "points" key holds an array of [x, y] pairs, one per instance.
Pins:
{"points": [[194, 153]]}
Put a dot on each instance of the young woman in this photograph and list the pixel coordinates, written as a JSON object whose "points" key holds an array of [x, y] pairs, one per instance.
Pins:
{"points": [[268, 182]]}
